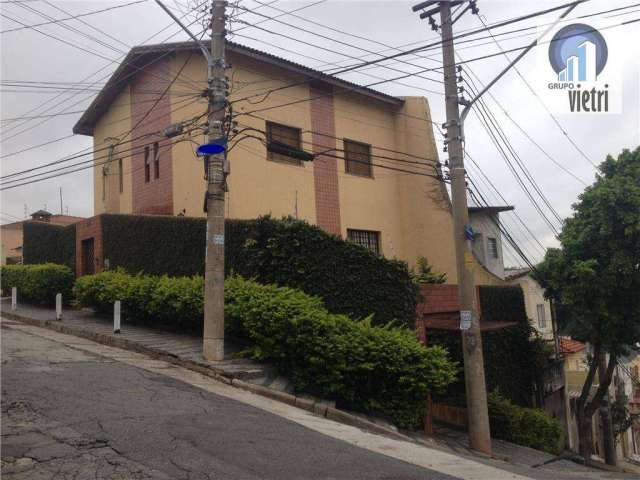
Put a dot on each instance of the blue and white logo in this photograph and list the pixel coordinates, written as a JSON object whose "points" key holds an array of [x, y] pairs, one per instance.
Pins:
{"points": [[578, 53]]}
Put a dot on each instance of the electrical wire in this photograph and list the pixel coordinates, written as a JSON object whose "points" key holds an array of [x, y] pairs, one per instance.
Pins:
{"points": [[73, 17]]}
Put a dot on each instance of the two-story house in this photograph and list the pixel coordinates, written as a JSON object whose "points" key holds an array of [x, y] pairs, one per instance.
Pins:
{"points": [[375, 179]]}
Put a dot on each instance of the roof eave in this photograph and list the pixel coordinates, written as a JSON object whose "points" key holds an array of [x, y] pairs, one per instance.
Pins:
{"points": [[86, 124]]}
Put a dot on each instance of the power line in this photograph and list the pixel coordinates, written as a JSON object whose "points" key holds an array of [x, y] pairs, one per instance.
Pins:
{"points": [[136, 69], [517, 158], [535, 94], [92, 150], [480, 115], [72, 17]]}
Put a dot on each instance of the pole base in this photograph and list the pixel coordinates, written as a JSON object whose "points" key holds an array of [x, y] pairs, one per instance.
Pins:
{"points": [[213, 349]]}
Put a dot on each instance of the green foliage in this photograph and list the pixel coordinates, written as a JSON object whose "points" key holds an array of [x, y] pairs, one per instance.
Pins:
{"points": [[514, 357], [47, 243], [38, 283], [425, 273], [170, 301], [382, 370], [595, 275], [154, 244], [531, 427], [350, 279]]}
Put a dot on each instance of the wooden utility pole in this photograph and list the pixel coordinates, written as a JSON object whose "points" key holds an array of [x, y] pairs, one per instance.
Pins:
{"points": [[213, 337], [216, 171], [476, 391]]}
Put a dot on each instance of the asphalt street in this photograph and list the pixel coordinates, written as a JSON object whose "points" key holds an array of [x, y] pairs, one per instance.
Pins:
{"points": [[72, 414]]}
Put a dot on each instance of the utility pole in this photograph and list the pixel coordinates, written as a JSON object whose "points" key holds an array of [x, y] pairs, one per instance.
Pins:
{"points": [[476, 391], [61, 211], [213, 338], [216, 169]]}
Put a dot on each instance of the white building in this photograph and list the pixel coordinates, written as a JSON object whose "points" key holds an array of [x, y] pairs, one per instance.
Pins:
{"points": [[487, 242], [537, 307]]}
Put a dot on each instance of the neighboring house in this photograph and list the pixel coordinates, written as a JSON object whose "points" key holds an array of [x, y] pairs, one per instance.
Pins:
{"points": [[538, 308], [11, 233], [487, 241], [625, 384], [347, 190]]}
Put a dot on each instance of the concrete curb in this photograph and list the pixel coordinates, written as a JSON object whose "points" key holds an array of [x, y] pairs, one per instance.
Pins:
{"points": [[317, 407]]}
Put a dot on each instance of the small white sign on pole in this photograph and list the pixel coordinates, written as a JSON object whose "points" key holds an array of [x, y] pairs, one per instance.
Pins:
{"points": [[116, 317], [59, 306], [465, 319], [14, 298]]}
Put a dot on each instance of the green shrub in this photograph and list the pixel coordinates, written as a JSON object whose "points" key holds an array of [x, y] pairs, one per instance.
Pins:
{"points": [[48, 243], [531, 427], [382, 370], [514, 357], [172, 301], [38, 283], [350, 279]]}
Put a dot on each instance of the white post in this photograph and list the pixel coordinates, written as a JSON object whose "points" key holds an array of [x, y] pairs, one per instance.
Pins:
{"points": [[14, 298], [116, 317], [59, 306]]}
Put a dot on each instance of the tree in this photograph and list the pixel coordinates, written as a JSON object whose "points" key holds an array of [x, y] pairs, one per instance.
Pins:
{"points": [[426, 274], [594, 277]]}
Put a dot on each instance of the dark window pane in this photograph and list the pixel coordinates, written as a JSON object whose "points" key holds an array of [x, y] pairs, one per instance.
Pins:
{"points": [[289, 136], [147, 166], [357, 158], [156, 160], [365, 238]]}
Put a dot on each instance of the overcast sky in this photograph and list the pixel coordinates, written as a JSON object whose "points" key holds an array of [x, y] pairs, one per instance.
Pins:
{"points": [[28, 55]]}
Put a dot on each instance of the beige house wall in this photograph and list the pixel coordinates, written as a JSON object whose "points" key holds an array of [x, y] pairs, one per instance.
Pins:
{"points": [[11, 238], [114, 125], [412, 212]]}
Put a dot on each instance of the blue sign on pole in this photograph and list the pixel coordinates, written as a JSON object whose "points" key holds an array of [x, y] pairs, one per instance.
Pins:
{"points": [[218, 145]]}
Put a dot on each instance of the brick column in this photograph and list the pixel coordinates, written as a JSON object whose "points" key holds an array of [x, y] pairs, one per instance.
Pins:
{"points": [[155, 196], [91, 228], [325, 168]]}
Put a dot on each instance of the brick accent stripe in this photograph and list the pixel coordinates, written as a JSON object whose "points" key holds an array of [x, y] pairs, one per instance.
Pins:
{"points": [[325, 169], [156, 196]]}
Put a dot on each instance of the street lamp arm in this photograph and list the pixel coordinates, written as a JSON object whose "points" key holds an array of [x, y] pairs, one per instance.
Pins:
{"points": [[470, 103], [205, 52]]}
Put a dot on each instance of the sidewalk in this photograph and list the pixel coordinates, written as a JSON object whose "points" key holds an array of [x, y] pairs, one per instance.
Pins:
{"points": [[186, 351]]}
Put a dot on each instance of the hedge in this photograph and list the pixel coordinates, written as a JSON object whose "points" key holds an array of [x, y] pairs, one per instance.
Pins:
{"points": [[531, 427], [288, 252], [379, 370], [170, 301], [38, 283], [514, 357], [47, 243]]}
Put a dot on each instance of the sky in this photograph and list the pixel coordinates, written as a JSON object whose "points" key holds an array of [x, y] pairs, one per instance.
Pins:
{"points": [[534, 123]]}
